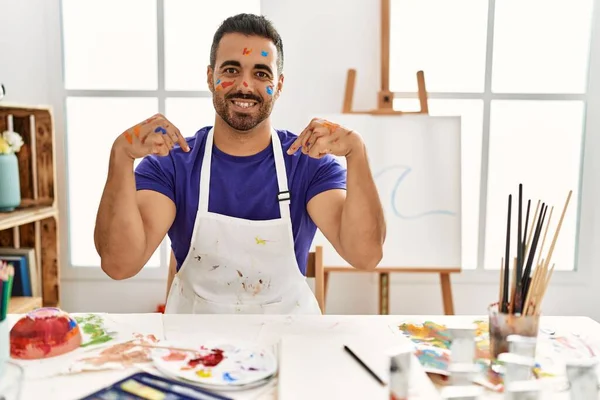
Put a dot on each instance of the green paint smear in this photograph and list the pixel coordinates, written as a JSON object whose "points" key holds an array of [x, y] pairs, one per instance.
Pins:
{"points": [[93, 326]]}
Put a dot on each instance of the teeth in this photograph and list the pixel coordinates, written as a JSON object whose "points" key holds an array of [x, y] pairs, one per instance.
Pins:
{"points": [[243, 104]]}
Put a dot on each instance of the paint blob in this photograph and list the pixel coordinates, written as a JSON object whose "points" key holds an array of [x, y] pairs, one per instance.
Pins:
{"points": [[204, 373], [270, 90], [175, 356], [264, 53], [210, 360], [246, 51], [44, 332], [245, 84], [225, 85]]}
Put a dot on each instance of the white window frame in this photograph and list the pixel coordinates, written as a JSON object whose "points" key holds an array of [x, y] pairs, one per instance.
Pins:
{"points": [[583, 242], [72, 272]]}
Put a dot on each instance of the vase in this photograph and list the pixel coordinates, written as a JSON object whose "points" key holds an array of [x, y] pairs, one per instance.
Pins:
{"points": [[10, 188]]}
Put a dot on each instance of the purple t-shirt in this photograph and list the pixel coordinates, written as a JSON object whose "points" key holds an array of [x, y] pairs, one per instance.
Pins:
{"points": [[242, 187]]}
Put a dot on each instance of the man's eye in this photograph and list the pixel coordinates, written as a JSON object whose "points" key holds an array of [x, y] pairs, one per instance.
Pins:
{"points": [[262, 74], [230, 71]]}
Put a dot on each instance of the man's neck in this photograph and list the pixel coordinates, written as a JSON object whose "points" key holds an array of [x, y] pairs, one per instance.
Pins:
{"points": [[246, 143]]}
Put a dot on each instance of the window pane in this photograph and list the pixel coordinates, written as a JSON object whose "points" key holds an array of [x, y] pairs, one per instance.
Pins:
{"points": [[109, 44], [538, 144], [190, 114], [89, 141], [541, 46], [189, 29], [445, 39], [471, 113]]}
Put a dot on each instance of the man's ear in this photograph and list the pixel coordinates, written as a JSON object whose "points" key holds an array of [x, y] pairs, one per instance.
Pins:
{"points": [[279, 86], [209, 79]]}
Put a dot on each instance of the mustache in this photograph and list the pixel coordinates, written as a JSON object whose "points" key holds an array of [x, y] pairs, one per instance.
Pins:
{"points": [[243, 96]]}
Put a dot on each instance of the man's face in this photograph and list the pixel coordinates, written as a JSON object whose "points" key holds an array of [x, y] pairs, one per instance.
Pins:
{"points": [[244, 82]]}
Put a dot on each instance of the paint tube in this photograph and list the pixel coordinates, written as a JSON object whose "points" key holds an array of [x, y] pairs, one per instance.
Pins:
{"points": [[522, 345], [463, 373], [466, 392], [583, 380], [462, 347], [399, 367], [517, 367], [523, 390]]}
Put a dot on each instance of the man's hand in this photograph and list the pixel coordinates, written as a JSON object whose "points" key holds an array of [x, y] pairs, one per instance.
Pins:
{"points": [[156, 135], [322, 137]]}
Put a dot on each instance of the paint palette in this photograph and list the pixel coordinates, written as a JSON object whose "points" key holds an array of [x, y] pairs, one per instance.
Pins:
{"points": [[216, 365]]}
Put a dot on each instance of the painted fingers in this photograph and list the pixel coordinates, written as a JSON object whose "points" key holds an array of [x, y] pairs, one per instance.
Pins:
{"points": [[155, 135]]}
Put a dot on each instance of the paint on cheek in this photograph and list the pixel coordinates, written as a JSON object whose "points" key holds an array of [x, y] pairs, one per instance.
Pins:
{"points": [[246, 51], [270, 90], [264, 53], [245, 84], [225, 85]]}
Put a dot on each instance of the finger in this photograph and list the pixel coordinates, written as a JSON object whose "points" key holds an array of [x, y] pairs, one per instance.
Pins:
{"points": [[316, 134], [299, 140], [320, 147], [159, 144], [178, 136]]}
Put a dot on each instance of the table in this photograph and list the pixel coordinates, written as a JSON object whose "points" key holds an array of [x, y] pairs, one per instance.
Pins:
{"points": [[267, 330]]}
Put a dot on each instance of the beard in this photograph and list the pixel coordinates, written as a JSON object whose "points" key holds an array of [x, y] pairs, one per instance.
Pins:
{"points": [[238, 119]]}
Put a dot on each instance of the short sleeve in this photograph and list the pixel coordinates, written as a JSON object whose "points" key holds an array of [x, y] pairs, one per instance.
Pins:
{"points": [[158, 174], [329, 175]]}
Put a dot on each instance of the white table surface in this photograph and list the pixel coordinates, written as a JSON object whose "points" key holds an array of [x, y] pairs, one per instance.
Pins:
{"points": [[41, 380]]}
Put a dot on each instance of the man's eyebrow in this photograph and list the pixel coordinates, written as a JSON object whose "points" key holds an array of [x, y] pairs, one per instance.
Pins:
{"points": [[265, 67], [231, 63]]}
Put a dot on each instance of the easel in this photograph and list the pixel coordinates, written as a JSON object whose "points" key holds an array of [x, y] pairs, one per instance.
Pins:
{"points": [[385, 99]]}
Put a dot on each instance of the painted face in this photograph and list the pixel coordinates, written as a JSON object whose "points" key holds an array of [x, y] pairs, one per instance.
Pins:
{"points": [[245, 80]]}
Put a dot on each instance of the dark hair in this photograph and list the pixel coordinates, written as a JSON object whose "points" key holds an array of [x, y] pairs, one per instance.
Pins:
{"points": [[250, 25]]}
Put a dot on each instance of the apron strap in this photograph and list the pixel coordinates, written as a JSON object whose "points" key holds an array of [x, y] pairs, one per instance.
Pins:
{"points": [[283, 196], [205, 172]]}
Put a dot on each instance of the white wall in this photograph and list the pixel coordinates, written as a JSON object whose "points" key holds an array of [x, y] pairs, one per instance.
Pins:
{"points": [[315, 77]]}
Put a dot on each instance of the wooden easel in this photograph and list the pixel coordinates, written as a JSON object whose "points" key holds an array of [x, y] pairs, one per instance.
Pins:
{"points": [[385, 99]]}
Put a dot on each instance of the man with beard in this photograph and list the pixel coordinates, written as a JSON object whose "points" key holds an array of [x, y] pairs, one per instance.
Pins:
{"points": [[240, 200]]}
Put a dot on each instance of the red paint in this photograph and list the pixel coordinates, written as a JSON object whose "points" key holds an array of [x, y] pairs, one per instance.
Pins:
{"points": [[245, 84], [246, 51], [210, 360], [225, 85]]}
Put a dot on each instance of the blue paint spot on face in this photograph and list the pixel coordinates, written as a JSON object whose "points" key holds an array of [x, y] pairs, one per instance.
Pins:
{"points": [[218, 81], [161, 130], [269, 90], [228, 378], [264, 53]]}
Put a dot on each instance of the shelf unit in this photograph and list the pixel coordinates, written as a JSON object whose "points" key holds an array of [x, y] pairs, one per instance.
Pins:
{"points": [[34, 223]]}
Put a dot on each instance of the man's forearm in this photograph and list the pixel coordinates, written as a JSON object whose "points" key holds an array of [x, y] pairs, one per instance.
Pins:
{"points": [[119, 234], [362, 227]]}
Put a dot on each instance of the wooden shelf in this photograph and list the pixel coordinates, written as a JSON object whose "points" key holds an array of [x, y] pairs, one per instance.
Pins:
{"points": [[22, 305], [26, 215], [34, 224]]}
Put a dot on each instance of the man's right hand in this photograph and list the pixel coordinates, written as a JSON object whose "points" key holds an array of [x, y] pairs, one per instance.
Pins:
{"points": [[156, 135]]}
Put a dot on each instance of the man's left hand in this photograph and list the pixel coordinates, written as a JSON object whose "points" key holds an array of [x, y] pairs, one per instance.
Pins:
{"points": [[323, 137]]}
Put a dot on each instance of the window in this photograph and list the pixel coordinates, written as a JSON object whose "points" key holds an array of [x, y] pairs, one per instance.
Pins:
{"points": [[520, 86], [125, 60]]}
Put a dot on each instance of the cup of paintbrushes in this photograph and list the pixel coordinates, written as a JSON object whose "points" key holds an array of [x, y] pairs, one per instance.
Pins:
{"points": [[502, 325]]}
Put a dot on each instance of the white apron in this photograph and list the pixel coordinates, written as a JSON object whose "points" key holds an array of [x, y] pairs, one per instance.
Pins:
{"points": [[236, 265]]}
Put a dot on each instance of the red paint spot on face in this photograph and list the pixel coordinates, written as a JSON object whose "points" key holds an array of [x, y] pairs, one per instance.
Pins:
{"points": [[210, 360], [245, 84], [225, 85]]}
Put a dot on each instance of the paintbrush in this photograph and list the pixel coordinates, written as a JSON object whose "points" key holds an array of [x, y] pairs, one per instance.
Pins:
{"points": [[369, 370], [527, 272], [518, 289], [504, 305]]}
